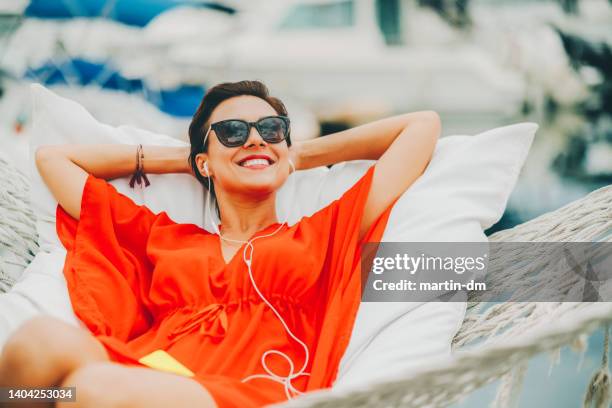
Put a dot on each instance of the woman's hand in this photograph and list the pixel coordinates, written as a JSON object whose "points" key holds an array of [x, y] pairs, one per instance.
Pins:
{"points": [[187, 169], [295, 154]]}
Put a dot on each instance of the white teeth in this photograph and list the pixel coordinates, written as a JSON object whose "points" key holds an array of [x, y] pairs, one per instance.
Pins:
{"points": [[254, 162]]}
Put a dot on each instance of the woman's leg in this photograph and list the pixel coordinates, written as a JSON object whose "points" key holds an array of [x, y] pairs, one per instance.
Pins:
{"points": [[111, 385], [44, 350], [47, 352]]}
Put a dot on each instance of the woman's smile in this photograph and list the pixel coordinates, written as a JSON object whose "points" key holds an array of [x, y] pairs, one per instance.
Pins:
{"points": [[256, 162]]}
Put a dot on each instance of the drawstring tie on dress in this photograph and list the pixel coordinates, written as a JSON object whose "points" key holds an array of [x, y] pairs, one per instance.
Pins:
{"points": [[212, 321], [290, 390]]}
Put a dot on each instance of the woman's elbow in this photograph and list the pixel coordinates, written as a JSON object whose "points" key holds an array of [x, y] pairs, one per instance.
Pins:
{"points": [[433, 119], [429, 122], [432, 127], [45, 152], [42, 156], [46, 157]]}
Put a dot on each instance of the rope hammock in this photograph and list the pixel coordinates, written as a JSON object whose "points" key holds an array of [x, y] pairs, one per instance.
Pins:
{"points": [[495, 341]]}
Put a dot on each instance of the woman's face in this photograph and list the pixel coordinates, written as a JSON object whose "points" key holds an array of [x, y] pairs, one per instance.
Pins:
{"points": [[227, 166]]}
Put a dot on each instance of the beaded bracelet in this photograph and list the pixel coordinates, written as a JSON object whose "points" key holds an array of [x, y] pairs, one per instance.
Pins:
{"points": [[139, 172]]}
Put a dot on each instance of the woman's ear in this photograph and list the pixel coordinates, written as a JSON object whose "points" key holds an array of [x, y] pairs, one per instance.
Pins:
{"points": [[201, 160]]}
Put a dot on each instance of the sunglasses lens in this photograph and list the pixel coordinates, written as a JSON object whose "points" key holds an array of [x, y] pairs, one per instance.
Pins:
{"points": [[272, 130], [233, 132]]}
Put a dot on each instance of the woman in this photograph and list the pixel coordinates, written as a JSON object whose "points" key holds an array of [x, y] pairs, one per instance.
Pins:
{"points": [[257, 314]]}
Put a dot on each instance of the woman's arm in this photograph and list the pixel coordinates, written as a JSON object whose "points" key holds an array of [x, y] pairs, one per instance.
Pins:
{"points": [[365, 142], [402, 144], [64, 168]]}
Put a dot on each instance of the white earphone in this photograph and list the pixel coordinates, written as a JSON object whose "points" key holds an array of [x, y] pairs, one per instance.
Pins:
{"points": [[290, 390]]}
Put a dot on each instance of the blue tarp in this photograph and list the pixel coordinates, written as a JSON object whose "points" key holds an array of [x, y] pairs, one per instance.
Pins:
{"points": [[181, 101], [132, 12], [82, 72]]}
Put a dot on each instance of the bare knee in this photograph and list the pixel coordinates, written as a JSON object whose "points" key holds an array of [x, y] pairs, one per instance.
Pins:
{"points": [[41, 348], [53, 337], [110, 385], [100, 385], [23, 350]]}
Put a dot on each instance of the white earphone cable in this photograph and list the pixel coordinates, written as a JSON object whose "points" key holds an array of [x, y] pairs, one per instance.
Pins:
{"points": [[290, 390]]}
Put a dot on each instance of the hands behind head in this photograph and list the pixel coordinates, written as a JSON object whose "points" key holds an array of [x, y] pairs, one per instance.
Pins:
{"points": [[295, 155]]}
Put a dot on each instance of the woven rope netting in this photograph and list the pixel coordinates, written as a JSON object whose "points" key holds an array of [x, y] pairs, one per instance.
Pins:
{"points": [[495, 341], [18, 236]]}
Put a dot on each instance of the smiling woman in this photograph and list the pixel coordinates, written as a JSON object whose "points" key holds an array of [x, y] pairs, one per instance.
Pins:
{"points": [[220, 123], [244, 328]]}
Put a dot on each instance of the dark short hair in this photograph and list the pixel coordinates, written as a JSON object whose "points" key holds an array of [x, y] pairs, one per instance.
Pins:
{"points": [[213, 98]]}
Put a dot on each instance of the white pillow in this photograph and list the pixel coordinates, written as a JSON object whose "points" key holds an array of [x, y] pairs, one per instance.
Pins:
{"points": [[463, 191], [41, 289]]}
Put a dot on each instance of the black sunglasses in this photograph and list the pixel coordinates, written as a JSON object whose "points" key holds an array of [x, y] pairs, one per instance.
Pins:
{"points": [[235, 132]]}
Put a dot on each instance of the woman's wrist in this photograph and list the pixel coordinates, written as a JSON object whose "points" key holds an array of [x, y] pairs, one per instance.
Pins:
{"points": [[184, 157], [329, 150], [166, 159], [309, 154], [295, 155]]}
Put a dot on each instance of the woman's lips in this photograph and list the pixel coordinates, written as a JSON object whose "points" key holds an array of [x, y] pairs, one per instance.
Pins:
{"points": [[256, 163]]}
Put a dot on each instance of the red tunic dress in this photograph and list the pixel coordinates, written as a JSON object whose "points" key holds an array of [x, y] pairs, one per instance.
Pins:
{"points": [[141, 282]]}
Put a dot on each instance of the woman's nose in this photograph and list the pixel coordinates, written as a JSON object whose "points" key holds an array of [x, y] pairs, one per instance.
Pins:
{"points": [[254, 138]]}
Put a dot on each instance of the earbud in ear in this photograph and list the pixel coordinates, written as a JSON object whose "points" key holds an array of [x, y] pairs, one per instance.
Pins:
{"points": [[205, 168], [292, 166]]}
